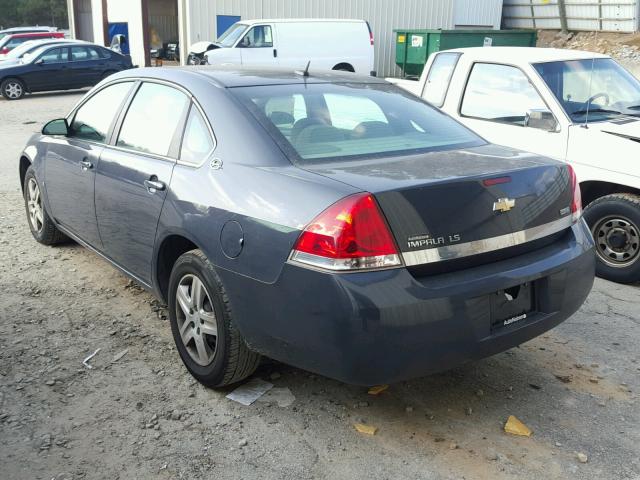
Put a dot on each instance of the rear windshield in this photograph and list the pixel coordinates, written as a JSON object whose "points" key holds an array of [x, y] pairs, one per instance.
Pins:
{"points": [[330, 121]]}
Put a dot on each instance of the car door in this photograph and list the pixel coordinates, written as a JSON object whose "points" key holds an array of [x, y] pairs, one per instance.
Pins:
{"points": [[257, 47], [49, 71], [70, 162], [84, 69], [134, 174], [499, 101]]}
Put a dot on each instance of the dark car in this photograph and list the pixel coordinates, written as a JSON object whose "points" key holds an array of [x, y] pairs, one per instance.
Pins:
{"points": [[329, 221], [60, 67]]}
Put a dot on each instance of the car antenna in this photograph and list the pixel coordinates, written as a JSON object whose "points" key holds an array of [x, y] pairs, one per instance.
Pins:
{"points": [[586, 116], [304, 73]]}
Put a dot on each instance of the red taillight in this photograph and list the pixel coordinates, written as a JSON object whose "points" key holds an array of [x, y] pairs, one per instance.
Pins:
{"points": [[351, 234], [370, 33], [4, 51], [576, 201]]}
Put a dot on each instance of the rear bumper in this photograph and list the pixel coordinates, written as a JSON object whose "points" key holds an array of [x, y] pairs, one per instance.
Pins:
{"points": [[387, 326]]}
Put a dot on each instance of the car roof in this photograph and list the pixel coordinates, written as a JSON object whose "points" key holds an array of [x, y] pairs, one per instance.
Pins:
{"points": [[230, 77], [34, 35], [299, 20], [522, 55], [29, 29]]}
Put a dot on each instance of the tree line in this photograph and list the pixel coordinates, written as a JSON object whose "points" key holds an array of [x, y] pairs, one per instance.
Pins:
{"points": [[17, 13]]}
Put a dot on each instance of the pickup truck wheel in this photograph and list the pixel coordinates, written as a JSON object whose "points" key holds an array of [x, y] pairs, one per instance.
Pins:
{"points": [[209, 343], [12, 89], [42, 227], [614, 221]]}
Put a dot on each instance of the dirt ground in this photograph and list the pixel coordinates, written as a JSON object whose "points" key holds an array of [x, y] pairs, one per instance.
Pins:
{"points": [[624, 47], [140, 415]]}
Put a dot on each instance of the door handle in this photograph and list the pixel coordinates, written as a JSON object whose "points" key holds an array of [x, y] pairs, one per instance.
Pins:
{"points": [[275, 53], [85, 165], [154, 185]]}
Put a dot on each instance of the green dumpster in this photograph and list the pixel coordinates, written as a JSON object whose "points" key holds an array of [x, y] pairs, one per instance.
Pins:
{"points": [[413, 47]]}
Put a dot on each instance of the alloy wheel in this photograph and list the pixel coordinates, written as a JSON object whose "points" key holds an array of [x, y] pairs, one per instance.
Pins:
{"points": [[617, 241], [13, 90], [196, 319], [34, 205]]}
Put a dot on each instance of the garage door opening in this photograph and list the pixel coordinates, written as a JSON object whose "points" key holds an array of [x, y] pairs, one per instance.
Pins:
{"points": [[162, 32]]}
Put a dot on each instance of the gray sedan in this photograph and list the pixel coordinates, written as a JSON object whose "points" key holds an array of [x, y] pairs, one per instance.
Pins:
{"points": [[326, 220]]}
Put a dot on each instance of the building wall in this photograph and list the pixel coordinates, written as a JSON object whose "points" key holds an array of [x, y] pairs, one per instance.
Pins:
{"points": [[603, 15], [477, 14], [129, 11], [383, 16], [197, 18]]}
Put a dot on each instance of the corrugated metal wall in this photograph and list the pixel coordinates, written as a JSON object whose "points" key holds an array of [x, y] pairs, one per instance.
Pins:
{"points": [[604, 15], [383, 16], [477, 14]]}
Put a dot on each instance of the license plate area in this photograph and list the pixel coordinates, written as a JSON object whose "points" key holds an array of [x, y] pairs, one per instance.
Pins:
{"points": [[512, 306]]}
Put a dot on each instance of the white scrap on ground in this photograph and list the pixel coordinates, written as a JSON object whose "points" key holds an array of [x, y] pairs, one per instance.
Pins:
{"points": [[84, 362], [281, 396], [249, 392]]}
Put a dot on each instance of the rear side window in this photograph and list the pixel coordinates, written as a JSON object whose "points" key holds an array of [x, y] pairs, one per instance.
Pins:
{"points": [[104, 53], [94, 118], [438, 78], [501, 93], [152, 120], [197, 142]]}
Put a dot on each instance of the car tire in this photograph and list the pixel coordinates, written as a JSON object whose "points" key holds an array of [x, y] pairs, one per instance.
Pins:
{"points": [[614, 221], [40, 223], [12, 88], [208, 341]]}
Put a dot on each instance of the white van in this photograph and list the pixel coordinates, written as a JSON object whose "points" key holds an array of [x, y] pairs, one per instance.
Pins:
{"points": [[327, 43]]}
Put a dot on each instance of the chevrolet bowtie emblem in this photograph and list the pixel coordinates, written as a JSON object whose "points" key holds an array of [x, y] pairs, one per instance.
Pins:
{"points": [[504, 204]]}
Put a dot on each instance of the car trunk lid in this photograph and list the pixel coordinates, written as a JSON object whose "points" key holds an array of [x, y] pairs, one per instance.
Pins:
{"points": [[451, 204]]}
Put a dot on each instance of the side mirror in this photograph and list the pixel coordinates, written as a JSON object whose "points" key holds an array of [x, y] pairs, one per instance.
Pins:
{"points": [[56, 127], [40, 61], [541, 119]]}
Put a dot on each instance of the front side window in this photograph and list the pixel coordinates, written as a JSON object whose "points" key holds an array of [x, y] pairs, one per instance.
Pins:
{"points": [[592, 89], [257, 37], [152, 119], [93, 119], [55, 55], [438, 78], [197, 142], [500, 93], [335, 121]]}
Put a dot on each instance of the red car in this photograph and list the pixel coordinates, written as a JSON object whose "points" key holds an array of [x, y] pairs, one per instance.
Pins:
{"points": [[9, 42]]}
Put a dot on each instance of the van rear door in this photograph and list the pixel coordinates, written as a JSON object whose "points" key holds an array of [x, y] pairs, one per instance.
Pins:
{"points": [[257, 46]]}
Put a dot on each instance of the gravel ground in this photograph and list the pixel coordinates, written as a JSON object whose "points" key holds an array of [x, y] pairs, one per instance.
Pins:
{"points": [[142, 416]]}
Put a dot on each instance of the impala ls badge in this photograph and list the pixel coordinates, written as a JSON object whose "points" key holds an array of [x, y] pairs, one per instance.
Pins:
{"points": [[504, 204]]}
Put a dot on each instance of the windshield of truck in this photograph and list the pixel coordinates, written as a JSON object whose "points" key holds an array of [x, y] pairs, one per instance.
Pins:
{"points": [[231, 36], [313, 122], [592, 90]]}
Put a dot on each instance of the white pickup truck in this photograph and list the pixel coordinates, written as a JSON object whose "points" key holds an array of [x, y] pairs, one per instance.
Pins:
{"points": [[579, 107]]}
